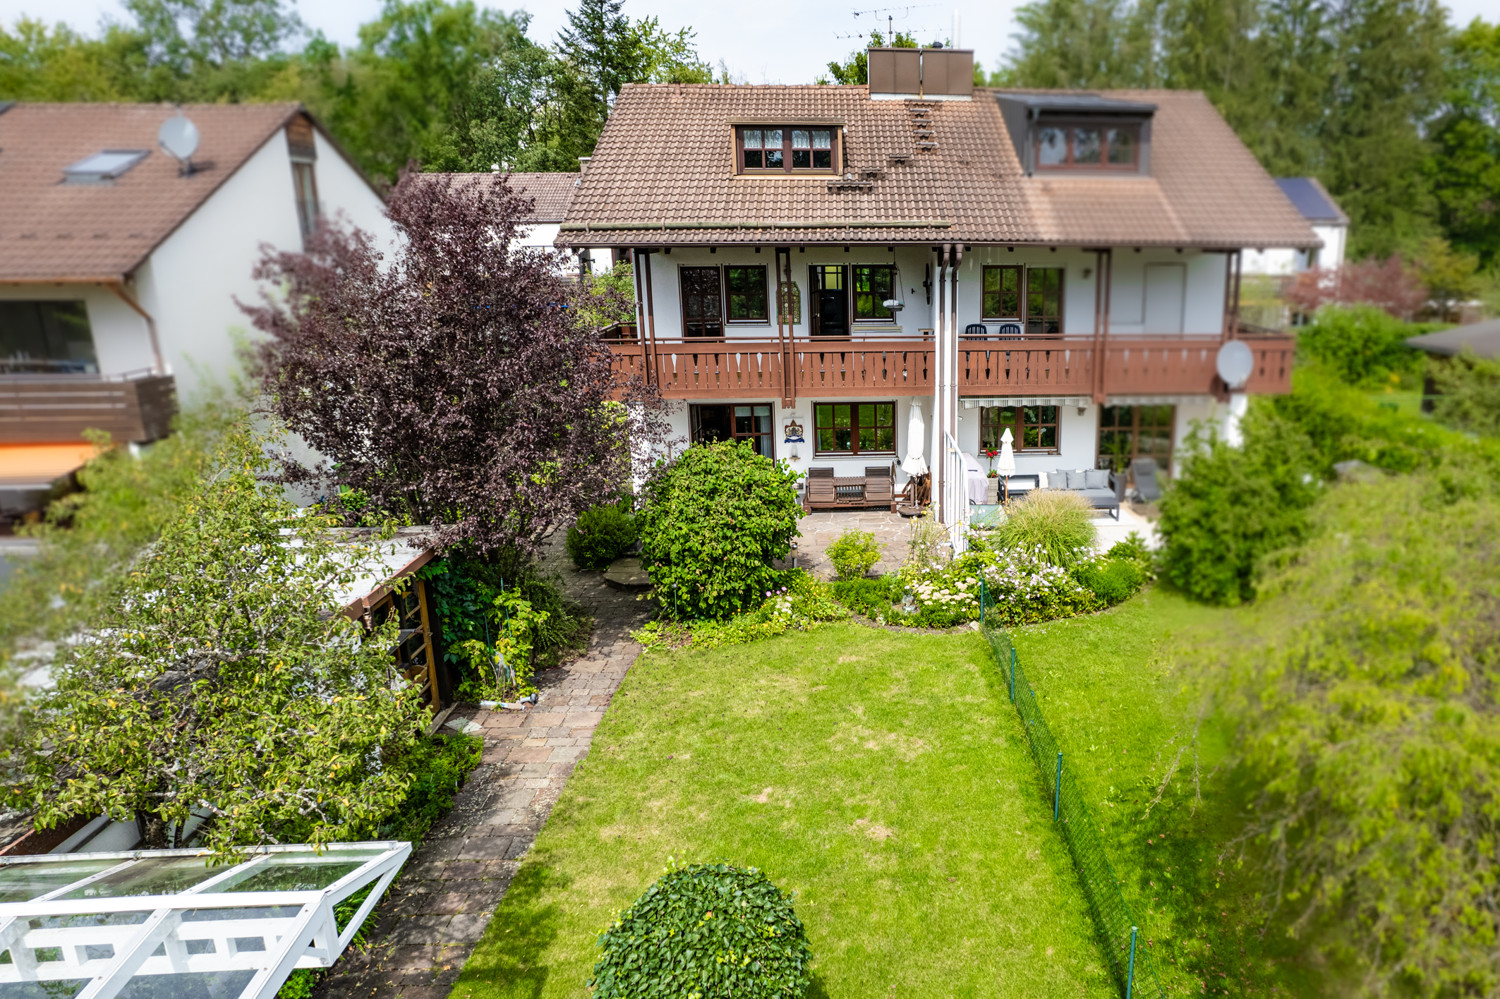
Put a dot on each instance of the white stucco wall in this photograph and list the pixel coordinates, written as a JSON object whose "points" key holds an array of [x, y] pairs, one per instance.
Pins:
{"points": [[189, 284], [1282, 262]]}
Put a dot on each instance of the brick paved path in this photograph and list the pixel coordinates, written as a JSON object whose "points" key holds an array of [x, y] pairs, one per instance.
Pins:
{"points": [[429, 923]]}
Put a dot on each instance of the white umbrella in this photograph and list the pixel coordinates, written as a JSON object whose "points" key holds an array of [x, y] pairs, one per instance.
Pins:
{"points": [[916, 432], [1007, 462]]}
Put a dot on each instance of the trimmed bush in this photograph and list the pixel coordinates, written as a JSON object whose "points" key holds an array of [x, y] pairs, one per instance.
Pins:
{"points": [[706, 930], [714, 523], [1112, 580], [1060, 523], [871, 597], [1363, 344], [601, 535], [1132, 549], [854, 554]]}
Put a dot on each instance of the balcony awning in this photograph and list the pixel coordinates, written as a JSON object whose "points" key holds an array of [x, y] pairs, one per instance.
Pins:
{"points": [[975, 402], [1156, 400], [158, 924], [37, 466]]}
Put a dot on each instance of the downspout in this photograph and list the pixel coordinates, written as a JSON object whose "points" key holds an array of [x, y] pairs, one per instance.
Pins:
{"points": [[1234, 327], [1109, 288], [653, 360], [956, 255], [640, 310], [935, 467], [118, 287]]}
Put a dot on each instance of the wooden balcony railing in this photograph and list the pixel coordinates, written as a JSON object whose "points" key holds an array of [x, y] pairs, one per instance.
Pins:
{"points": [[1133, 365], [56, 409]]}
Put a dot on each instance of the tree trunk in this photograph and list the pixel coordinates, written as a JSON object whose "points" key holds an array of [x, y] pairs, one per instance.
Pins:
{"points": [[154, 830]]}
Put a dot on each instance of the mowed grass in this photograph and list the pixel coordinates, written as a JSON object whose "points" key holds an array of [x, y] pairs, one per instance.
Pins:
{"points": [[882, 777], [1121, 692]]}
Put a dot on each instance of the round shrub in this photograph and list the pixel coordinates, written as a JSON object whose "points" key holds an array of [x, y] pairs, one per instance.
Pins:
{"points": [[854, 554], [601, 535], [1060, 523], [713, 525], [1112, 580], [706, 930]]}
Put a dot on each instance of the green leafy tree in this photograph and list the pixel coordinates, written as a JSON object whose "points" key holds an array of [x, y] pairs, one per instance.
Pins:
{"points": [[1468, 392], [713, 525], [1083, 43], [1465, 167], [1364, 743], [855, 70], [1362, 344], [188, 33], [1451, 276], [222, 679]]}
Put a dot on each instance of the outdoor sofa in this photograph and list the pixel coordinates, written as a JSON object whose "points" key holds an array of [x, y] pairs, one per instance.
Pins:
{"points": [[1100, 488]]}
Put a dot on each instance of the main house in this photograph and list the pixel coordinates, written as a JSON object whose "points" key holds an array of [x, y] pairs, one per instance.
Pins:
{"points": [[120, 261], [813, 261]]}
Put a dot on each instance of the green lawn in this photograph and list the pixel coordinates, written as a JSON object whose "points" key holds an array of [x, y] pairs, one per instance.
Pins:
{"points": [[1116, 689], [882, 777]]}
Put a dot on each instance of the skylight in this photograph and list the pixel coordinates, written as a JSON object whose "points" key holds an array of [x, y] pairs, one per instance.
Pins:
{"points": [[166, 924], [102, 167]]}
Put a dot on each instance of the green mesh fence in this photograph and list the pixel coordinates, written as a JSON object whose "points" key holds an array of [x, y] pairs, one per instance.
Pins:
{"points": [[1117, 926]]}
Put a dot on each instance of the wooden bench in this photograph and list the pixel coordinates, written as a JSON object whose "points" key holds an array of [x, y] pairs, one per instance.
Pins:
{"points": [[826, 491]]}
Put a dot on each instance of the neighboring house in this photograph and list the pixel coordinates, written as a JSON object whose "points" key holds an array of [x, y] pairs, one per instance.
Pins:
{"points": [[1328, 222], [1065, 265], [551, 194], [120, 265]]}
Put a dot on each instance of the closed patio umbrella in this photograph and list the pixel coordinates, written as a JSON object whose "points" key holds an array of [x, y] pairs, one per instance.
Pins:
{"points": [[916, 432], [1006, 464]]}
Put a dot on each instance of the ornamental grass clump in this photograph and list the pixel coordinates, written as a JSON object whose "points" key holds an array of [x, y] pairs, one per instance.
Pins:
{"points": [[1060, 523], [707, 930]]}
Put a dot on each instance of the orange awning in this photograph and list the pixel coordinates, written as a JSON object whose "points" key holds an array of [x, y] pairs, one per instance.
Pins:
{"points": [[37, 466]]}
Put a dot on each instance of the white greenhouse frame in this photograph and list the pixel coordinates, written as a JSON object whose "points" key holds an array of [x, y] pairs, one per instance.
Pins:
{"points": [[105, 943]]}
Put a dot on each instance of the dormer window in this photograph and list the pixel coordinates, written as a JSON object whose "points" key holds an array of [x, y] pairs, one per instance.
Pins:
{"points": [[1088, 147], [783, 149]]}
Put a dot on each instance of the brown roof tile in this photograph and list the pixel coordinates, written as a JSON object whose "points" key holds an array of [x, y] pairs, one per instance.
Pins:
{"points": [[664, 166], [50, 230], [552, 192]]}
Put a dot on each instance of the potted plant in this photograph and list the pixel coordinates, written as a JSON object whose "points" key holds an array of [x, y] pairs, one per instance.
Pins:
{"points": [[992, 454]]}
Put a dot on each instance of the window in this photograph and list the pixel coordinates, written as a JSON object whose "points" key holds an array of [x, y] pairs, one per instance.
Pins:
{"points": [[1044, 301], [1088, 147], [1002, 293], [855, 427], [702, 302], [741, 422], [785, 149], [746, 289], [873, 286], [46, 337], [1130, 432], [1032, 428], [305, 185]]}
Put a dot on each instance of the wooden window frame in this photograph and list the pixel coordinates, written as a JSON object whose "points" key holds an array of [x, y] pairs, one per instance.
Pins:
{"points": [[989, 421], [682, 300], [835, 151], [52, 316], [1069, 128], [1062, 301], [695, 429], [985, 314], [852, 283], [764, 318], [854, 428], [1133, 433], [308, 208]]}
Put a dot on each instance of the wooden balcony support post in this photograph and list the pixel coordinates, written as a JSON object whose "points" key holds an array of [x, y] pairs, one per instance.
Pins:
{"points": [[785, 323], [653, 365], [1234, 322]]}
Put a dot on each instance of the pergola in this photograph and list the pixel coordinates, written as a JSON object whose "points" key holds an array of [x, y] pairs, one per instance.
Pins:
{"points": [[164, 924]]}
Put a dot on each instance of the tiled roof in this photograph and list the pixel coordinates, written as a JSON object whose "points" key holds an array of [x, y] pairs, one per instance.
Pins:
{"points": [[50, 230], [663, 172], [552, 192]]}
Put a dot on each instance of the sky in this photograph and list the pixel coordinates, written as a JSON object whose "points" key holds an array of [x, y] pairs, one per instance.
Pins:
{"points": [[764, 41]]}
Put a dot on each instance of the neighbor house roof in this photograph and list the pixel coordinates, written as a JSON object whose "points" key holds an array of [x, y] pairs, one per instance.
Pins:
{"points": [[1312, 200], [1483, 339], [551, 192], [663, 172], [56, 231]]}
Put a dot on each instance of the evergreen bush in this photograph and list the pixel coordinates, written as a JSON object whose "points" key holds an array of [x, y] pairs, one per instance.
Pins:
{"points": [[707, 930], [599, 536], [713, 525], [854, 554]]}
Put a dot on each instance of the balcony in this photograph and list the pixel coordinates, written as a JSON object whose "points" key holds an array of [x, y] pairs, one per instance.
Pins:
{"points": [[58, 408], [854, 367]]}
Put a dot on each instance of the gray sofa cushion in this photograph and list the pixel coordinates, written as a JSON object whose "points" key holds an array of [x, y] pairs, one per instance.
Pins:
{"points": [[1100, 499], [1096, 478]]}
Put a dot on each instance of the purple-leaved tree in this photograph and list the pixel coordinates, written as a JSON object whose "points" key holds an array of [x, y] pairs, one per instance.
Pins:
{"points": [[452, 385]]}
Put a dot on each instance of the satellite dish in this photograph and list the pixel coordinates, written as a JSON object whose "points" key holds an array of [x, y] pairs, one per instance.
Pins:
{"points": [[1235, 363], [179, 136]]}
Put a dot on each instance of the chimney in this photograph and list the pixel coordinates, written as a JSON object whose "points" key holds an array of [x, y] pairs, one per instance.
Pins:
{"points": [[937, 74], [583, 165]]}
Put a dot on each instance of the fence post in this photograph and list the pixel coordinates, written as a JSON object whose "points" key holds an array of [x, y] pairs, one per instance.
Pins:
{"points": [[1130, 975], [1012, 674], [1057, 788]]}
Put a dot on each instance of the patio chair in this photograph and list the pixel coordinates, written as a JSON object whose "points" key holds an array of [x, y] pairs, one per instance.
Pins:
{"points": [[820, 493], [1010, 331], [1146, 486], [880, 486], [976, 329]]}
